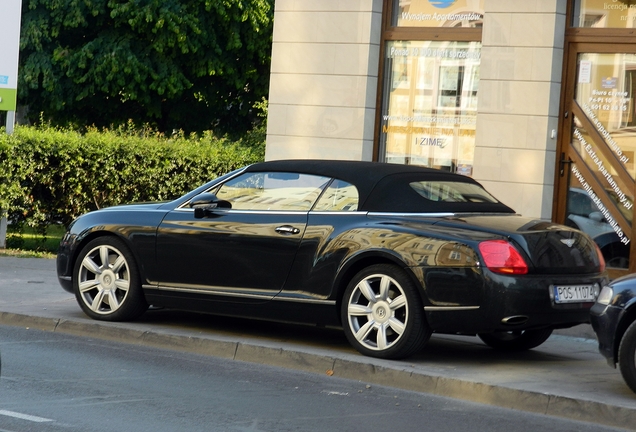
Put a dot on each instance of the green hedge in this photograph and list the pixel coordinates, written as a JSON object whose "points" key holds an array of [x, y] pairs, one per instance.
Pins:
{"points": [[50, 176]]}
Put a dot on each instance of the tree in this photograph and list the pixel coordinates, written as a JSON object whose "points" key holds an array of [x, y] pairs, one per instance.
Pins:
{"points": [[192, 65]]}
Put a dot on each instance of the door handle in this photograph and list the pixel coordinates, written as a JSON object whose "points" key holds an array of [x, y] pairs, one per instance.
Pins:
{"points": [[562, 164], [287, 230]]}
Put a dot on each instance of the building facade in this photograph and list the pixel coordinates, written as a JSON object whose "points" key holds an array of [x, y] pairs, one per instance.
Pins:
{"points": [[534, 99]]}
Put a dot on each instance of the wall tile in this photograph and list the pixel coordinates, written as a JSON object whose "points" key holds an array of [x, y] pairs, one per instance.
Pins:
{"points": [[497, 29], [338, 59], [526, 166], [517, 131], [323, 27], [521, 63], [323, 90], [500, 164], [276, 119], [289, 147], [487, 163], [516, 97], [534, 30], [319, 122]]}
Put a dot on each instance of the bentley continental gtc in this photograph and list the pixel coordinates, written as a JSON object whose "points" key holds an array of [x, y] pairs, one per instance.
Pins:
{"points": [[389, 253]]}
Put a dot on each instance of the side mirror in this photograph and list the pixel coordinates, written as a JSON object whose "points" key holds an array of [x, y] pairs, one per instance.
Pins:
{"points": [[597, 216], [205, 203]]}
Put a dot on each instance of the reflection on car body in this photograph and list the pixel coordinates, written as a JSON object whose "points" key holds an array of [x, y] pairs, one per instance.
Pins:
{"points": [[390, 253]]}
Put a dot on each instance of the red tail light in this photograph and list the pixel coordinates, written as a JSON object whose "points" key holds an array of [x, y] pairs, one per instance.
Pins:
{"points": [[601, 259], [502, 257]]}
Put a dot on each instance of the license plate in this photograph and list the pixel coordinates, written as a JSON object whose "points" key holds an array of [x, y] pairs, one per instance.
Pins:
{"points": [[574, 293]]}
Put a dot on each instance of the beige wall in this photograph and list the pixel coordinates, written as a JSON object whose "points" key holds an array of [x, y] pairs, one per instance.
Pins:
{"points": [[519, 90], [324, 79]]}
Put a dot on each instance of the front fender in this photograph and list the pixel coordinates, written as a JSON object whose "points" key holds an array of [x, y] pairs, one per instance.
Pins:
{"points": [[136, 229]]}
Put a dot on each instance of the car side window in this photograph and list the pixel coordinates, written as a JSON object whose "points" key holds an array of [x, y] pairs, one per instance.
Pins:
{"points": [[339, 196], [449, 191], [272, 191]]}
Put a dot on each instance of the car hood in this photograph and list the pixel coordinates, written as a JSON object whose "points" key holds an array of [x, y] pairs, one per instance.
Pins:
{"points": [[136, 206], [550, 247]]}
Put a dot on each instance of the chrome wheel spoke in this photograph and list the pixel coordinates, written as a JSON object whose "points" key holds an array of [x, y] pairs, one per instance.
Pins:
{"points": [[381, 340], [396, 325], [358, 310], [367, 291], [119, 263], [90, 265], [97, 300], [122, 284], [88, 285], [362, 334], [398, 302], [103, 255], [385, 285], [112, 301]]}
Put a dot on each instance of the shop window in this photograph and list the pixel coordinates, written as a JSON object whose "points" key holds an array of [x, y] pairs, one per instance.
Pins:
{"points": [[430, 83], [430, 104]]}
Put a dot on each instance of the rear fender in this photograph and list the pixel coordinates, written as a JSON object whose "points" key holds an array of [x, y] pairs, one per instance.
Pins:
{"points": [[357, 262]]}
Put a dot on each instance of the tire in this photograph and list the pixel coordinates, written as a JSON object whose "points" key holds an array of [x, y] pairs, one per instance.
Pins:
{"points": [[627, 356], [521, 340], [382, 313], [106, 281]]}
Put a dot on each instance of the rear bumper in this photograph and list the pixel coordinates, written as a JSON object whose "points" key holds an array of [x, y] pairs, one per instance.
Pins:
{"points": [[518, 303]]}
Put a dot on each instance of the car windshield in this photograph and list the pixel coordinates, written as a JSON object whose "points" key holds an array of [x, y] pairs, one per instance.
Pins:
{"points": [[449, 191]]}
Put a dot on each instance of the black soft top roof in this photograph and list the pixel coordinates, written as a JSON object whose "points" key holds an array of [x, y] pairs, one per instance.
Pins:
{"points": [[384, 186]]}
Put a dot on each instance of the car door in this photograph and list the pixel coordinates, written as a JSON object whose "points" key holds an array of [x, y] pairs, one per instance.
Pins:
{"points": [[244, 252]]}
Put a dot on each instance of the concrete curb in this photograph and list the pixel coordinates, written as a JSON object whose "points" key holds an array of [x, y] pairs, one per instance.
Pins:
{"points": [[364, 369]]}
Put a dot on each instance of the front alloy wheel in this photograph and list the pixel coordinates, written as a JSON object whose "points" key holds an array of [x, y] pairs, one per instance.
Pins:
{"points": [[627, 356], [106, 281], [382, 313]]}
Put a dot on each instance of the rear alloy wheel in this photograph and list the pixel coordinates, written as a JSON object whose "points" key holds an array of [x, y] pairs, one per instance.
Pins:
{"points": [[518, 340], [627, 356], [382, 313], [106, 281]]}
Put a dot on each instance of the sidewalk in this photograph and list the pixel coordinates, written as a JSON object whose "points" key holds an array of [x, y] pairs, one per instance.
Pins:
{"points": [[564, 377]]}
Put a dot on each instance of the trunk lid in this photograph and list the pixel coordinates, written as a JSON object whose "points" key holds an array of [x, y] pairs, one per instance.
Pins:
{"points": [[550, 248]]}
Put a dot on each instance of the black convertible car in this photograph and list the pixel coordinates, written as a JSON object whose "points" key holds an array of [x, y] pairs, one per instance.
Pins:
{"points": [[391, 253]]}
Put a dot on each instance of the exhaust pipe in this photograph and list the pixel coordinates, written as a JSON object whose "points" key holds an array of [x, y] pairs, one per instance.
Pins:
{"points": [[515, 320]]}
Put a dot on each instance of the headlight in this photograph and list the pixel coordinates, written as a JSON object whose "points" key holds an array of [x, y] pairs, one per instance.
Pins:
{"points": [[605, 296]]}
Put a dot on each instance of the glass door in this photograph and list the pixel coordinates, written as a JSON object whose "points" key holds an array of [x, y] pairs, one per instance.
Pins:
{"points": [[597, 149]]}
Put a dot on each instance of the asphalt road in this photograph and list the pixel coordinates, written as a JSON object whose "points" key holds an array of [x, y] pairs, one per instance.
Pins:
{"points": [[56, 382]]}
